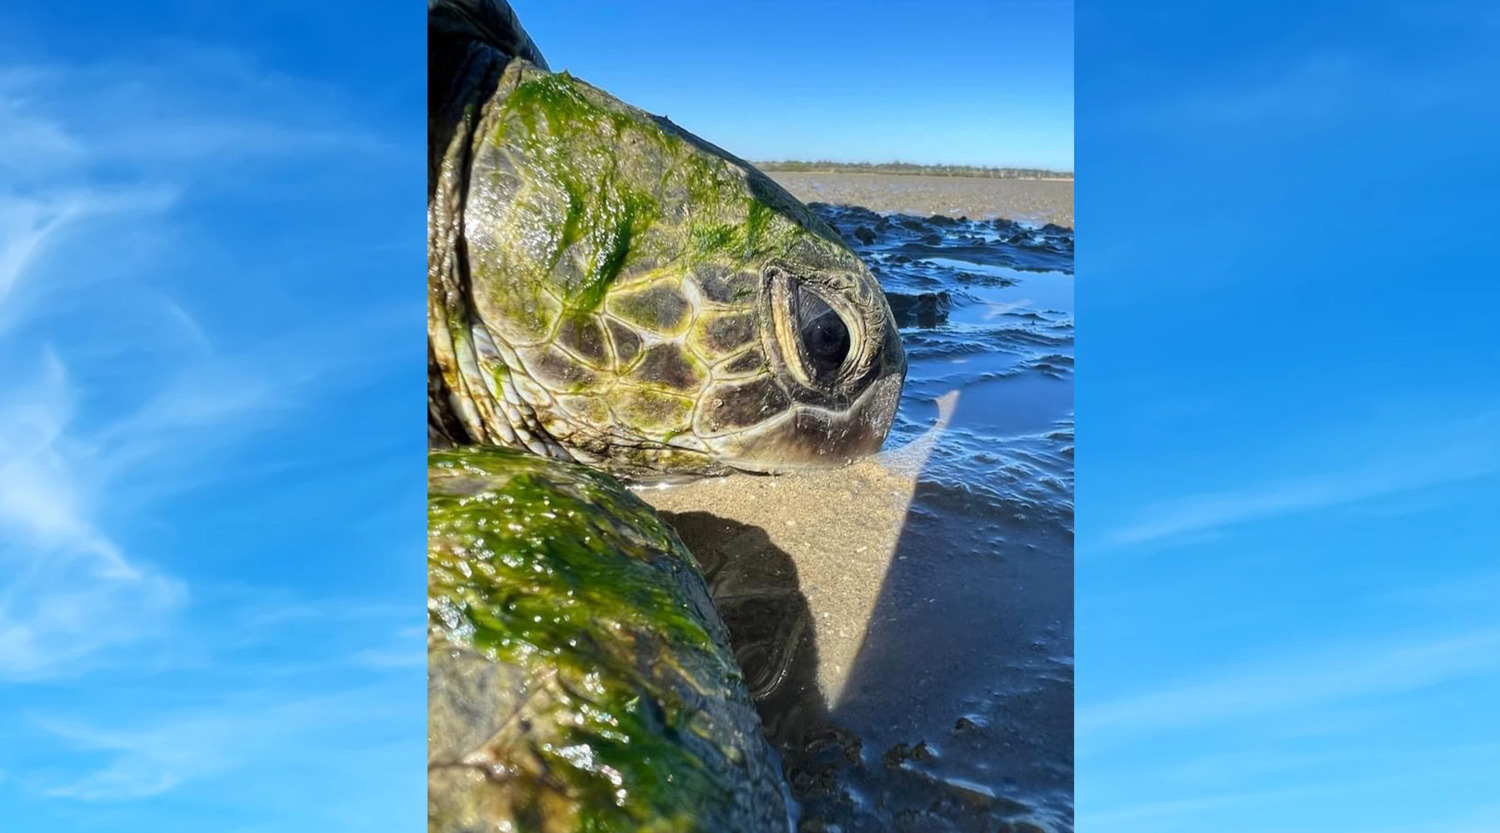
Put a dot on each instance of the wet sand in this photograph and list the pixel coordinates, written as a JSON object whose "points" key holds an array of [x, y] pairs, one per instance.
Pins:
{"points": [[1027, 200], [836, 531]]}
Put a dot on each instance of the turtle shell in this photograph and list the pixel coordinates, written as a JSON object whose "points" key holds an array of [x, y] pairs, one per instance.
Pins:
{"points": [[490, 22], [578, 676]]}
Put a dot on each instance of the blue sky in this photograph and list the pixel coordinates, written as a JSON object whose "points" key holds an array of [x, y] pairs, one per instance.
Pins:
{"points": [[986, 82], [211, 448], [1289, 418]]}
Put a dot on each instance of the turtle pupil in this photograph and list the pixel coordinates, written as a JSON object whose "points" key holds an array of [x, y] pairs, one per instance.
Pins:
{"points": [[825, 336]]}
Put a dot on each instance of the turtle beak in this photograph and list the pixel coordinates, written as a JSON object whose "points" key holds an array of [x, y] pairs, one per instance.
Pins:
{"points": [[809, 437]]}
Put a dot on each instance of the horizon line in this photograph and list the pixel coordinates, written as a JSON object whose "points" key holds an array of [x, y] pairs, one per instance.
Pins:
{"points": [[996, 171]]}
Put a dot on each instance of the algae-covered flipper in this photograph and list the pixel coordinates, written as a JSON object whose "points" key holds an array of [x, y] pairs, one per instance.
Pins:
{"points": [[578, 675]]}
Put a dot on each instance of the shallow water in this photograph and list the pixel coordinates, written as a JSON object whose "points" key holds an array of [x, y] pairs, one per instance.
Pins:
{"points": [[931, 688], [970, 650]]}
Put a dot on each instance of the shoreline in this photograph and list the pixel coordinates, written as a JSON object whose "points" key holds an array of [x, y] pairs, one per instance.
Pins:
{"points": [[914, 169], [843, 172], [977, 197]]}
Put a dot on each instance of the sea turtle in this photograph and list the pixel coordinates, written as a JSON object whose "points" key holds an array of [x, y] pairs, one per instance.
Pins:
{"points": [[608, 293], [608, 288]]}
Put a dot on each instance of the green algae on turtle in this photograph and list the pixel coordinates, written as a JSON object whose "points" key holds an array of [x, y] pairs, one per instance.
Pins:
{"points": [[656, 304], [578, 679]]}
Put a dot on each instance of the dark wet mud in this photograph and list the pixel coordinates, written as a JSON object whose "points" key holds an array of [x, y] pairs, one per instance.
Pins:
{"points": [[907, 622]]}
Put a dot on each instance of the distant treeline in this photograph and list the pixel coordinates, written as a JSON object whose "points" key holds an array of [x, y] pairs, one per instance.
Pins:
{"points": [[909, 168]]}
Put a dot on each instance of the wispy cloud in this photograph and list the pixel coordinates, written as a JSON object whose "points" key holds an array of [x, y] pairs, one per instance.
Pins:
{"points": [[1295, 87], [93, 160], [1340, 776], [1428, 456], [179, 110], [1476, 590], [164, 751], [407, 649], [66, 576], [1156, 814], [1335, 674], [1197, 812], [256, 716]]}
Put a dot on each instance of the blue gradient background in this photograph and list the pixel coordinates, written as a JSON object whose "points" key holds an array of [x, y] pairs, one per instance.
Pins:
{"points": [[1288, 418], [1289, 422], [212, 439]]}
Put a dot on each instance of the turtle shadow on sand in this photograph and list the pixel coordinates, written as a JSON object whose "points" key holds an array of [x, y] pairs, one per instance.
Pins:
{"points": [[757, 592]]}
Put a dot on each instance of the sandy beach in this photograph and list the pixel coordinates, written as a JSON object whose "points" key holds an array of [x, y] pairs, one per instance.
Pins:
{"points": [[1032, 200]]}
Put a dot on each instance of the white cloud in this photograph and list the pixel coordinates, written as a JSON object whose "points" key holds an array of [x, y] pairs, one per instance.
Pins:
{"points": [[26, 225], [70, 591]]}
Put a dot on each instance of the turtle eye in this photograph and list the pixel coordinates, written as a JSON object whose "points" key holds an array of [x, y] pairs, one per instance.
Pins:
{"points": [[825, 336]]}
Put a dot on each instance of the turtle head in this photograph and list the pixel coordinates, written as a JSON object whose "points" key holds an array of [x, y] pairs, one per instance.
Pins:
{"points": [[830, 363], [633, 296]]}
